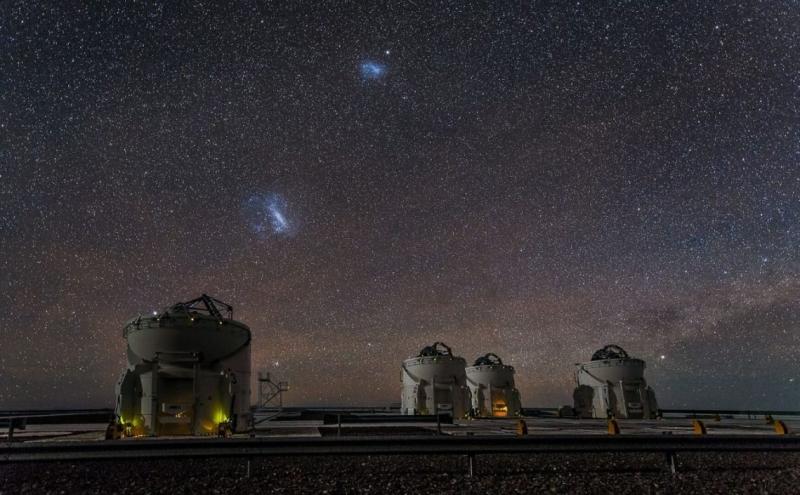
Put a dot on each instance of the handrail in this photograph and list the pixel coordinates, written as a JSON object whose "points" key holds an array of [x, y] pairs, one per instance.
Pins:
{"points": [[34, 415], [742, 412], [395, 445]]}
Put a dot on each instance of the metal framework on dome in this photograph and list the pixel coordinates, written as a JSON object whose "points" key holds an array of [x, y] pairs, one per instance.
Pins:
{"points": [[206, 304], [610, 351], [488, 359], [437, 349]]}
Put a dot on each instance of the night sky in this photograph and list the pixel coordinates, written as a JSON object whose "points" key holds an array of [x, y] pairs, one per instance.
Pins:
{"points": [[535, 179]]}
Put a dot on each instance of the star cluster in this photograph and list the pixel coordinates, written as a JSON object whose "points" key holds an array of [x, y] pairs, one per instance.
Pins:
{"points": [[372, 70], [534, 179], [267, 215]]}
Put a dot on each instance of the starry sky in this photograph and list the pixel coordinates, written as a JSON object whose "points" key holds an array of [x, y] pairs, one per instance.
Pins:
{"points": [[361, 179]]}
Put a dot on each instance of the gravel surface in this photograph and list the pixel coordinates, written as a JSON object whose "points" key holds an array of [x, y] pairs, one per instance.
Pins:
{"points": [[551, 473]]}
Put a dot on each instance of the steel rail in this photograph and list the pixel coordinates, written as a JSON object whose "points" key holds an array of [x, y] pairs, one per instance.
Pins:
{"points": [[65, 415], [739, 412], [393, 445]]}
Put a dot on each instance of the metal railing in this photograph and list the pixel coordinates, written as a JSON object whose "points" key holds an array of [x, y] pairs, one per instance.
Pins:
{"points": [[19, 420], [470, 446], [750, 413]]}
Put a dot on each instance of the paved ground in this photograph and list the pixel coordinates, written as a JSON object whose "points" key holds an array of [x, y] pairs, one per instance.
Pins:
{"points": [[575, 473]]}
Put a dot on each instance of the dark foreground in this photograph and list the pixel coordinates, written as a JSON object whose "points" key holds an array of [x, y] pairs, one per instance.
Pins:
{"points": [[542, 473]]}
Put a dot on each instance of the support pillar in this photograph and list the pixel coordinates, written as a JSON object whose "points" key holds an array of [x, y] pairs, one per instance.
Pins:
{"points": [[154, 399]]}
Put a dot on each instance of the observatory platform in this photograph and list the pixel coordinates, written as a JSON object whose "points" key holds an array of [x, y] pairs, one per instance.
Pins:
{"points": [[322, 422]]}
